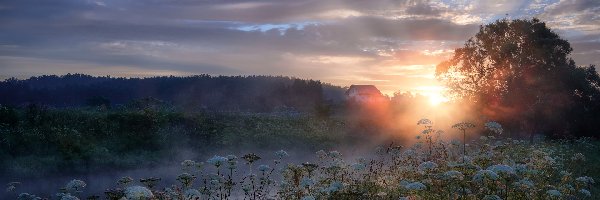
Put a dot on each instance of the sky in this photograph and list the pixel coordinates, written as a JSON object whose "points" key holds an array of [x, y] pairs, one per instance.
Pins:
{"points": [[392, 44]]}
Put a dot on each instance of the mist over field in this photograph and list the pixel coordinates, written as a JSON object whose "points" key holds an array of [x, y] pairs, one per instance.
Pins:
{"points": [[301, 100]]}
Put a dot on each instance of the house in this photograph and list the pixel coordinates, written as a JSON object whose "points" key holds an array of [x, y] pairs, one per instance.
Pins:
{"points": [[364, 94]]}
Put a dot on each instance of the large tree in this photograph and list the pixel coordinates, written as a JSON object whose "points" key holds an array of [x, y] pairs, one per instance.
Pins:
{"points": [[519, 72]]}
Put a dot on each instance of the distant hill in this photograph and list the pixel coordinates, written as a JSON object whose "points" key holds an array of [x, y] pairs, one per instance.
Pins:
{"points": [[232, 93]]}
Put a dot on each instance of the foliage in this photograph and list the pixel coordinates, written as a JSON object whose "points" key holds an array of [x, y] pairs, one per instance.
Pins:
{"points": [[216, 93], [494, 168], [40, 140], [519, 72]]}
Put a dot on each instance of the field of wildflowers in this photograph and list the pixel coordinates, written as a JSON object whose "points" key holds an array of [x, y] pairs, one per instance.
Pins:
{"points": [[493, 167]]}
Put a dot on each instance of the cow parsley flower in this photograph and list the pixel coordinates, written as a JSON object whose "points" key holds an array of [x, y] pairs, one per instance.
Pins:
{"points": [[425, 122], [503, 170], [585, 180], [463, 126], [579, 157], [334, 187], [307, 182], [186, 179], [358, 166], [231, 157], [27, 196], [585, 193], [308, 198], [75, 185], [334, 154], [415, 186], [217, 161], [483, 175], [281, 154], [264, 168], [138, 192], [251, 158], [192, 194], [381, 194], [426, 166], [553, 193], [521, 168], [64, 196], [453, 175], [188, 164], [495, 127], [524, 184], [483, 138], [321, 154], [409, 153], [492, 197]]}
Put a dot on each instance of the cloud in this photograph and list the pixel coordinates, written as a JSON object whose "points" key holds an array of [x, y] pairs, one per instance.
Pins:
{"points": [[339, 41]]}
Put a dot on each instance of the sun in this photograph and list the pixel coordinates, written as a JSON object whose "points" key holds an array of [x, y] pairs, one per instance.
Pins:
{"points": [[434, 93], [436, 99]]}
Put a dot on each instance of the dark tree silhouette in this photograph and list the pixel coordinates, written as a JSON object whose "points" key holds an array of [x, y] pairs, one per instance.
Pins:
{"points": [[520, 73], [230, 93]]}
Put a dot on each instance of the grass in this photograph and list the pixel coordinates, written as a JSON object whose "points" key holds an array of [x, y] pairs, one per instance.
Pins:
{"points": [[493, 167]]}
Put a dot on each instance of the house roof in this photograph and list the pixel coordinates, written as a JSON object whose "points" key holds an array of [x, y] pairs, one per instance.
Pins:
{"points": [[364, 89]]}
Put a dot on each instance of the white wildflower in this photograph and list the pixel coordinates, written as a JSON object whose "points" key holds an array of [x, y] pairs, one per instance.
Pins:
{"points": [[553, 193], [585, 180], [138, 193], [67, 196], [217, 161], [483, 138], [321, 154], [231, 157], [410, 153], [192, 194], [415, 186], [281, 154], [426, 166], [334, 187], [75, 185], [503, 170], [453, 175], [425, 122], [188, 165], [334, 154], [492, 197], [308, 198], [264, 168], [579, 157], [483, 175], [585, 193], [494, 127], [307, 182], [358, 166], [524, 184]]}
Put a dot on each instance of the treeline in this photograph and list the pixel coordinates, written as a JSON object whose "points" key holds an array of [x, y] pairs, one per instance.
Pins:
{"points": [[229, 93]]}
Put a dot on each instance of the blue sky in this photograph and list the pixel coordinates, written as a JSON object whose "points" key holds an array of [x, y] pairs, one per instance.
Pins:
{"points": [[392, 44]]}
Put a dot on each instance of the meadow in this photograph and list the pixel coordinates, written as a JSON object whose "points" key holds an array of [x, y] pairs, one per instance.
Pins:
{"points": [[288, 156]]}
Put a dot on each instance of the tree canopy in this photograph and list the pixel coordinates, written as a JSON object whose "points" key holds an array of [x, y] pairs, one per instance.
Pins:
{"points": [[519, 71]]}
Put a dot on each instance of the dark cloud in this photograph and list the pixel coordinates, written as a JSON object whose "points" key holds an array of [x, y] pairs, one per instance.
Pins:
{"points": [[337, 38]]}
